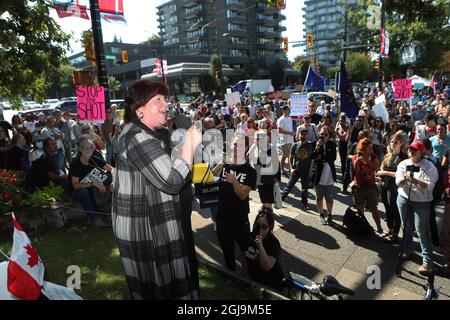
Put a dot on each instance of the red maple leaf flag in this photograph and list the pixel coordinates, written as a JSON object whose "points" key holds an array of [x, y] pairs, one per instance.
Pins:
{"points": [[433, 83], [25, 267]]}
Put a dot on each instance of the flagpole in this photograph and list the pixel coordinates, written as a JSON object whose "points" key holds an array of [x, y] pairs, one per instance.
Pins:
{"points": [[4, 255], [307, 74]]}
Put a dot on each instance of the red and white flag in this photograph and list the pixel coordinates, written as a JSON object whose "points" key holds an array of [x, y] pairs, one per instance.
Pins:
{"points": [[25, 267], [433, 83], [70, 9]]}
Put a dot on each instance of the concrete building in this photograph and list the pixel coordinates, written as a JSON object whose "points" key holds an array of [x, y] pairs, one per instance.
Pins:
{"points": [[325, 20], [237, 29]]}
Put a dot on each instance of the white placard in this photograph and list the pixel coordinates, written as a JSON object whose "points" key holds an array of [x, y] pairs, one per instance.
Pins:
{"points": [[299, 104], [380, 109], [232, 99]]}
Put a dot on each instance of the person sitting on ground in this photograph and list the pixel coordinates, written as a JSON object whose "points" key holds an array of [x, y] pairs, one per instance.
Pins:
{"points": [[262, 255], [86, 172], [18, 155]]}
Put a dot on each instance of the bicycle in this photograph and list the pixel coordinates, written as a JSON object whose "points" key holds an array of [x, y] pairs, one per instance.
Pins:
{"points": [[329, 287]]}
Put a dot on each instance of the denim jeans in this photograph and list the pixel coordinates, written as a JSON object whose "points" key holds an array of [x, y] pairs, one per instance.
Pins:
{"points": [[293, 180], [416, 214], [84, 196]]}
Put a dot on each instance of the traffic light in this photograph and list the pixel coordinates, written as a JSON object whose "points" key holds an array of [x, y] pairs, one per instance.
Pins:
{"points": [[88, 43], [124, 56], [309, 40], [83, 77], [377, 64], [285, 44], [281, 5]]}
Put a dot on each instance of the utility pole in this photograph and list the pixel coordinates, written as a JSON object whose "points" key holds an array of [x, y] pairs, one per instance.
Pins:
{"points": [[99, 52], [344, 51], [380, 70]]}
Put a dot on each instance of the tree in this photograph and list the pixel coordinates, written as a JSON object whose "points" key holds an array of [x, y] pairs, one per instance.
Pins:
{"points": [[59, 81], [154, 39], [407, 21], [331, 72], [276, 71], [113, 85], [301, 64], [359, 67], [251, 68], [215, 71], [31, 43]]}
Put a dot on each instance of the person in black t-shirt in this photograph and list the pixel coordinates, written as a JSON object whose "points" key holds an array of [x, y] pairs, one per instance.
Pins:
{"points": [[88, 171], [237, 179], [18, 155], [5, 127], [263, 252]]}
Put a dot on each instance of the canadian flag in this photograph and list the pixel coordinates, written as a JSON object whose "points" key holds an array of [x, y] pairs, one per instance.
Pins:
{"points": [[433, 83], [25, 267]]}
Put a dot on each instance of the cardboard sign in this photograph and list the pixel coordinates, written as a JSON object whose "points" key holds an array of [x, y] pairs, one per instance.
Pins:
{"points": [[403, 89], [380, 109], [232, 99], [299, 104], [332, 93], [91, 103]]}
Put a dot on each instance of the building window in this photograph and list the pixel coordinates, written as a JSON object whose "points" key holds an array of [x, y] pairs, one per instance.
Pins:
{"points": [[116, 50]]}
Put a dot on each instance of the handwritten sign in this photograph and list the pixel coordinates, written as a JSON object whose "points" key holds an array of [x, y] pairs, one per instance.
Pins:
{"points": [[403, 89], [91, 103], [380, 109], [232, 99], [299, 104]]}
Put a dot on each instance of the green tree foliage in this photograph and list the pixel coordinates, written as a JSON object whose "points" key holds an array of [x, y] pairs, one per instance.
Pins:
{"points": [[359, 67], [31, 44], [407, 21], [216, 72], [331, 72], [59, 81], [113, 85], [276, 71]]}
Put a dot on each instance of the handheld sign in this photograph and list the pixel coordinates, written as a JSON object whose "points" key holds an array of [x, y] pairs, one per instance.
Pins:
{"points": [[403, 89], [299, 104], [232, 99], [91, 103]]}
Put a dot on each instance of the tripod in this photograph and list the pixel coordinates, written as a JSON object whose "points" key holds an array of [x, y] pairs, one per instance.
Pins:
{"points": [[431, 292]]}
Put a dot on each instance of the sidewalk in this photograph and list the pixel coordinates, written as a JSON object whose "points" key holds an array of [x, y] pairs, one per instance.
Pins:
{"points": [[314, 250]]}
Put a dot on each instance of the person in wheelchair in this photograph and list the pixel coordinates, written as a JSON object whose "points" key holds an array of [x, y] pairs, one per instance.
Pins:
{"points": [[263, 252]]}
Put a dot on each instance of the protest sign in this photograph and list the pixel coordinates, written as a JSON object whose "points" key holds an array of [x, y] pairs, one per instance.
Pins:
{"points": [[232, 99], [403, 89], [331, 93], [380, 109], [299, 104], [91, 103]]}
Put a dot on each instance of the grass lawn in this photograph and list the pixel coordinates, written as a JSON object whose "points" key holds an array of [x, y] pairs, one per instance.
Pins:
{"points": [[95, 252]]}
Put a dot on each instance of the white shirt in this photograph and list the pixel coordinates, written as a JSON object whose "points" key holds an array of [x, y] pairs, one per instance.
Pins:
{"points": [[30, 126], [252, 110], [47, 133], [321, 110], [427, 174], [71, 123], [286, 124], [224, 111], [327, 176]]}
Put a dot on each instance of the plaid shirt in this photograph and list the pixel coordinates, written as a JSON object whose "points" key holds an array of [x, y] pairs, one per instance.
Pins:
{"points": [[146, 217]]}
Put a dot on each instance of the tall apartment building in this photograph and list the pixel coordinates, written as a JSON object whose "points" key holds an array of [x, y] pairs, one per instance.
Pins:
{"points": [[237, 29], [324, 19]]}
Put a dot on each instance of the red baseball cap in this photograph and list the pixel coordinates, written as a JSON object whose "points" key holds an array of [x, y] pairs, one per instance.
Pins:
{"points": [[418, 145]]}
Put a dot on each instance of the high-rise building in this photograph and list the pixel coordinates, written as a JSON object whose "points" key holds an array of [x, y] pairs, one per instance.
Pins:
{"points": [[237, 29], [324, 19]]}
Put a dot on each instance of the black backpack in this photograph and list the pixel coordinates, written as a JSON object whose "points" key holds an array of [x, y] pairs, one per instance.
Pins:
{"points": [[355, 223]]}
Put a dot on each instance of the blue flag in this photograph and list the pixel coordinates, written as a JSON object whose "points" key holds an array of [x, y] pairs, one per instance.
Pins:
{"points": [[313, 80], [348, 101], [240, 86]]}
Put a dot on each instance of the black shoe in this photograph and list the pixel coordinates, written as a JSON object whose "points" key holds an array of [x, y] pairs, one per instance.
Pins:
{"points": [[330, 220], [283, 198]]}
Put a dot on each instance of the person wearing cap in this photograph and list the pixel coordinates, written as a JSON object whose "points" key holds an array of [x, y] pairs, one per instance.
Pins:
{"points": [[419, 114], [416, 178], [300, 160], [285, 127], [313, 132]]}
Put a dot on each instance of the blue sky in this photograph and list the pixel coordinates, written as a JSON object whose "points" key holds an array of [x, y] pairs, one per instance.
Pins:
{"points": [[142, 23]]}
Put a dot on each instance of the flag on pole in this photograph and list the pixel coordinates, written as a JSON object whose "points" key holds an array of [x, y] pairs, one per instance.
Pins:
{"points": [[66, 9], [112, 10], [384, 48], [433, 83], [25, 267], [313, 80], [347, 99]]}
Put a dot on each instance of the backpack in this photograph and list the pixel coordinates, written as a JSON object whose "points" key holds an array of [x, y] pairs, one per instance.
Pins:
{"points": [[355, 223]]}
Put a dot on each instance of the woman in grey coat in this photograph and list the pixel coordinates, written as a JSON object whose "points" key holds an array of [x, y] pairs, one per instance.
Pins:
{"points": [[146, 204]]}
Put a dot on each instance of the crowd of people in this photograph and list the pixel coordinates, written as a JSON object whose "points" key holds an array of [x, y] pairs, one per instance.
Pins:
{"points": [[402, 163]]}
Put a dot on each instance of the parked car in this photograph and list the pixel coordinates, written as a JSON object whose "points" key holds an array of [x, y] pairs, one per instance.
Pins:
{"points": [[318, 96], [48, 102], [68, 105], [31, 105], [34, 112]]}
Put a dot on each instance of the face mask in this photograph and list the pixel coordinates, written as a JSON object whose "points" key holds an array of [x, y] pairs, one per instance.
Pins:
{"points": [[39, 145]]}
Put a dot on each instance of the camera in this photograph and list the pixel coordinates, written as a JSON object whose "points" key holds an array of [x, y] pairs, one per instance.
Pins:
{"points": [[412, 168]]}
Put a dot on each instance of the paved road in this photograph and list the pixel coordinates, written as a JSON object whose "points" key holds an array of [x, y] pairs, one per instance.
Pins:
{"points": [[314, 250]]}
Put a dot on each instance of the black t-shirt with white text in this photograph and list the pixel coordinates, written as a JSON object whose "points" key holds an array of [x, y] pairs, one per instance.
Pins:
{"points": [[231, 208], [272, 277], [91, 173]]}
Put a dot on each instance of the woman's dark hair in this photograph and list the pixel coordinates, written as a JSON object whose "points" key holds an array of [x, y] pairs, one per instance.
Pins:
{"points": [[268, 213], [140, 93]]}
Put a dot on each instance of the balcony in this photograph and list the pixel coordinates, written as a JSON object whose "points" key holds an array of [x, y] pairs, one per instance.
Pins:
{"points": [[280, 28], [192, 14], [239, 5], [190, 3], [267, 34], [238, 19], [279, 17]]}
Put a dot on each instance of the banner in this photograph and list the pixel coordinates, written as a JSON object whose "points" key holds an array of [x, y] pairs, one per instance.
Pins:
{"points": [[91, 103], [347, 102], [112, 10], [66, 9], [380, 109], [299, 105], [403, 89], [232, 99], [384, 48]]}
